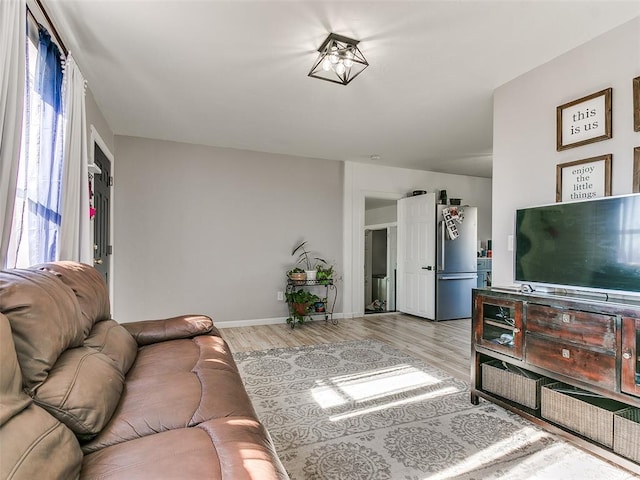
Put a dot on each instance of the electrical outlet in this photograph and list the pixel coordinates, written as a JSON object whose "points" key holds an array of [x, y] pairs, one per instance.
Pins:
{"points": [[280, 296]]}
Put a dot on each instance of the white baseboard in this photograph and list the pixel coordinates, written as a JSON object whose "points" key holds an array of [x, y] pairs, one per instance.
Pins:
{"points": [[270, 321]]}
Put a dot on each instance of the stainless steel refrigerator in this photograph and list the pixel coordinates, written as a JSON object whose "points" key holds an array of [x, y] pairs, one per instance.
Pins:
{"points": [[456, 260]]}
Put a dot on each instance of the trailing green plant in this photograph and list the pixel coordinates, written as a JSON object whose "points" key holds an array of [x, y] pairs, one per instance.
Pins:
{"points": [[301, 302], [295, 318], [305, 256], [301, 296]]}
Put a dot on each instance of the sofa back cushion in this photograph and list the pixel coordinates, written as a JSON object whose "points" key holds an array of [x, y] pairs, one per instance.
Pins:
{"points": [[12, 399], [82, 390], [33, 444], [45, 320], [85, 385], [86, 283], [112, 339], [74, 368]]}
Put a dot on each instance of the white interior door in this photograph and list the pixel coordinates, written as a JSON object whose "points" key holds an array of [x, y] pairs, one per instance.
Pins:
{"points": [[417, 255]]}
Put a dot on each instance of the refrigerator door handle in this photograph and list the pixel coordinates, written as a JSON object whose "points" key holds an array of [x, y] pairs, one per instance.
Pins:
{"points": [[442, 247], [458, 277]]}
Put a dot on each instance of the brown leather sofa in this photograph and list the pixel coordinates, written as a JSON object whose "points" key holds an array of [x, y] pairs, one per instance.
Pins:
{"points": [[82, 396]]}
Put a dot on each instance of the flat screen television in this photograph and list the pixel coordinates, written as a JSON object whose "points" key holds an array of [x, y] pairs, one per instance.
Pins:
{"points": [[592, 245]]}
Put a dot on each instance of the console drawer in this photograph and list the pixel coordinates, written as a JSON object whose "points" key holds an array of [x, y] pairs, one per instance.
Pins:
{"points": [[572, 361], [586, 328]]}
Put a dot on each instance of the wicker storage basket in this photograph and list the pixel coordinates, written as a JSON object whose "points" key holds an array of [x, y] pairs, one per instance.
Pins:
{"points": [[626, 433], [583, 412], [513, 383]]}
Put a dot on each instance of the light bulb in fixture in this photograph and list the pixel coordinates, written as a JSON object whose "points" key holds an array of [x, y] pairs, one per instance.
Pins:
{"points": [[340, 68], [326, 64], [333, 56], [348, 60]]}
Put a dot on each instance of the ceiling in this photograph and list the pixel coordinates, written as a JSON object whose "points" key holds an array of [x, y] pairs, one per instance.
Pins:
{"points": [[234, 73]]}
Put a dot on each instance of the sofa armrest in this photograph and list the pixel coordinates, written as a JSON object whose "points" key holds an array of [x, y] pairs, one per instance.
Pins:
{"points": [[184, 326]]}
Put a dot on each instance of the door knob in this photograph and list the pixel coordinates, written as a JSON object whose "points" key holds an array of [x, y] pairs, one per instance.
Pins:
{"points": [[97, 261], [427, 268], [626, 355]]}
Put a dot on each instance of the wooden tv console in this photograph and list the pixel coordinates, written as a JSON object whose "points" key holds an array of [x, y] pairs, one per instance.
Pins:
{"points": [[588, 342]]}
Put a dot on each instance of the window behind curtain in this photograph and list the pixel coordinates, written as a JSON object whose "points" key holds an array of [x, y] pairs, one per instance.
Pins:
{"points": [[36, 218]]}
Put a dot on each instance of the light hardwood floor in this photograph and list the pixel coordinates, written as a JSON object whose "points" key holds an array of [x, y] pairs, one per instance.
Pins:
{"points": [[446, 345]]}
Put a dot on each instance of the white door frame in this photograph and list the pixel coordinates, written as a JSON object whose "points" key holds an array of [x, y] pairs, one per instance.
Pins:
{"points": [[368, 257], [392, 251], [354, 248]]}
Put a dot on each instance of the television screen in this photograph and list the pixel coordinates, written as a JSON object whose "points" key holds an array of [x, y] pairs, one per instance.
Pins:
{"points": [[592, 244]]}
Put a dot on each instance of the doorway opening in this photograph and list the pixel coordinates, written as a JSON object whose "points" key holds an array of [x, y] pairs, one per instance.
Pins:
{"points": [[380, 255], [102, 161], [101, 222]]}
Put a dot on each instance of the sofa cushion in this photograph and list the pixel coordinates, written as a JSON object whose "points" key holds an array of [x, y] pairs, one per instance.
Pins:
{"points": [[33, 445], [12, 399], [227, 449], [179, 356], [82, 390], [87, 284], [112, 339], [45, 320], [173, 385]]}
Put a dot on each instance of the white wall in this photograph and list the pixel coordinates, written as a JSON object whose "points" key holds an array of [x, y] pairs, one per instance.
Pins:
{"points": [[210, 230], [363, 180], [95, 118], [524, 144], [379, 216]]}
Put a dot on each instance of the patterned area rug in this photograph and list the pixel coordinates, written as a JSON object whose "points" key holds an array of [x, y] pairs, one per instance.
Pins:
{"points": [[362, 410]]}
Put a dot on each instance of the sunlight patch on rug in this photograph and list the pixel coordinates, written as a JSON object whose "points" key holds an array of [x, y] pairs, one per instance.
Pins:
{"points": [[370, 385], [362, 410], [384, 406], [491, 454]]}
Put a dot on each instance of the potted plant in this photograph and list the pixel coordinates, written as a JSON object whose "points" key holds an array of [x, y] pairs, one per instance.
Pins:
{"points": [[300, 301], [306, 259], [324, 272], [297, 274]]}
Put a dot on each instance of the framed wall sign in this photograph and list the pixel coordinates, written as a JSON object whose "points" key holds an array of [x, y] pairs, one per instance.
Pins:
{"points": [[583, 121], [584, 179], [636, 104], [636, 170]]}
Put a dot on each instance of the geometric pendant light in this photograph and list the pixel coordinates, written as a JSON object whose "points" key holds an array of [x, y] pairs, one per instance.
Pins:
{"points": [[340, 60]]}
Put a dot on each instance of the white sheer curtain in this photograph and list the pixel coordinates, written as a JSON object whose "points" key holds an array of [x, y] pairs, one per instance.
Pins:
{"points": [[12, 73], [75, 235]]}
